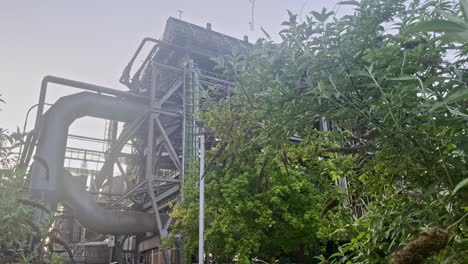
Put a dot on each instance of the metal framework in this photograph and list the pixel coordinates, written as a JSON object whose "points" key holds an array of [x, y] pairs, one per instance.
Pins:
{"points": [[149, 156], [174, 140], [142, 165]]}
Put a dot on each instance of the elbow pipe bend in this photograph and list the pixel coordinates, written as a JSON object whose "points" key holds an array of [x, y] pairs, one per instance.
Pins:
{"points": [[100, 219], [52, 143]]}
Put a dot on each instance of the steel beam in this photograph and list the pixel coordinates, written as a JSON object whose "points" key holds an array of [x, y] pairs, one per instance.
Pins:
{"points": [[166, 180], [168, 144], [176, 86], [150, 160], [163, 195], [129, 193], [117, 147]]}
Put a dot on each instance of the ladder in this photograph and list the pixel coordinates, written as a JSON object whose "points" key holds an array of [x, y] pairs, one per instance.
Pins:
{"points": [[190, 107]]}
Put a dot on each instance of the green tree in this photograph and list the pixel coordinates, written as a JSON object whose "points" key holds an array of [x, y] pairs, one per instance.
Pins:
{"points": [[397, 99]]}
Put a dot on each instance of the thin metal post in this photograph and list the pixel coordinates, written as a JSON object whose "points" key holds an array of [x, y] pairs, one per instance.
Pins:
{"points": [[201, 228]]}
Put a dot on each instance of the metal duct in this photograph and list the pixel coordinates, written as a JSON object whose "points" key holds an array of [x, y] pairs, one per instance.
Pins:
{"points": [[47, 178], [100, 219]]}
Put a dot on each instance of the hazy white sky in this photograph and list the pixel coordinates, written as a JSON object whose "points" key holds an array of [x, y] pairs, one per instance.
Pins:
{"points": [[92, 41]]}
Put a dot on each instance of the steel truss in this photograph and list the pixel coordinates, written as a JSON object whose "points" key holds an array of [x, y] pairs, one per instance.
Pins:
{"points": [[164, 140]]}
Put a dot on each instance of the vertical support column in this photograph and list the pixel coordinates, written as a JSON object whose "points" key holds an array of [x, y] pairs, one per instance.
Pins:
{"points": [[179, 249], [115, 130], [150, 161], [323, 124], [149, 171], [201, 227], [111, 136]]}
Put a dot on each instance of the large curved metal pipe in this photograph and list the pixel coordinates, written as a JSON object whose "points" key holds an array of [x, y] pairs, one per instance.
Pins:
{"points": [[47, 178], [26, 156], [100, 219], [54, 130]]}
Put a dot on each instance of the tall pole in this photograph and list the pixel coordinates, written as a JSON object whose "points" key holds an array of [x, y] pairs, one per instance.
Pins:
{"points": [[201, 227]]}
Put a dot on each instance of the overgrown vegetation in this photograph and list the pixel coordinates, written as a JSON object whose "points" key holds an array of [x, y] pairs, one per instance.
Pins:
{"points": [[16, 210], [395, 89]]}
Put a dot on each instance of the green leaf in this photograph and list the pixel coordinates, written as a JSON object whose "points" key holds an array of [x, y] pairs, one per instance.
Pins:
{"points": [[351, 2], [437, 25], [404, 78], [464, 5], [454, 19], [460, 185], [461, 37], [458, 95], [317, 15], [456, 112]]}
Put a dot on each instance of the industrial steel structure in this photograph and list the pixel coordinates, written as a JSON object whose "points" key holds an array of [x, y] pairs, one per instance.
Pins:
{"points": [[151, 138]]}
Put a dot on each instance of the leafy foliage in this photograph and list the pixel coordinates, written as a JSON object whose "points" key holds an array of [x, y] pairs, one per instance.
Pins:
{"points": [[392, 82], [397, 99], [455, 29], [16, 223]]}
